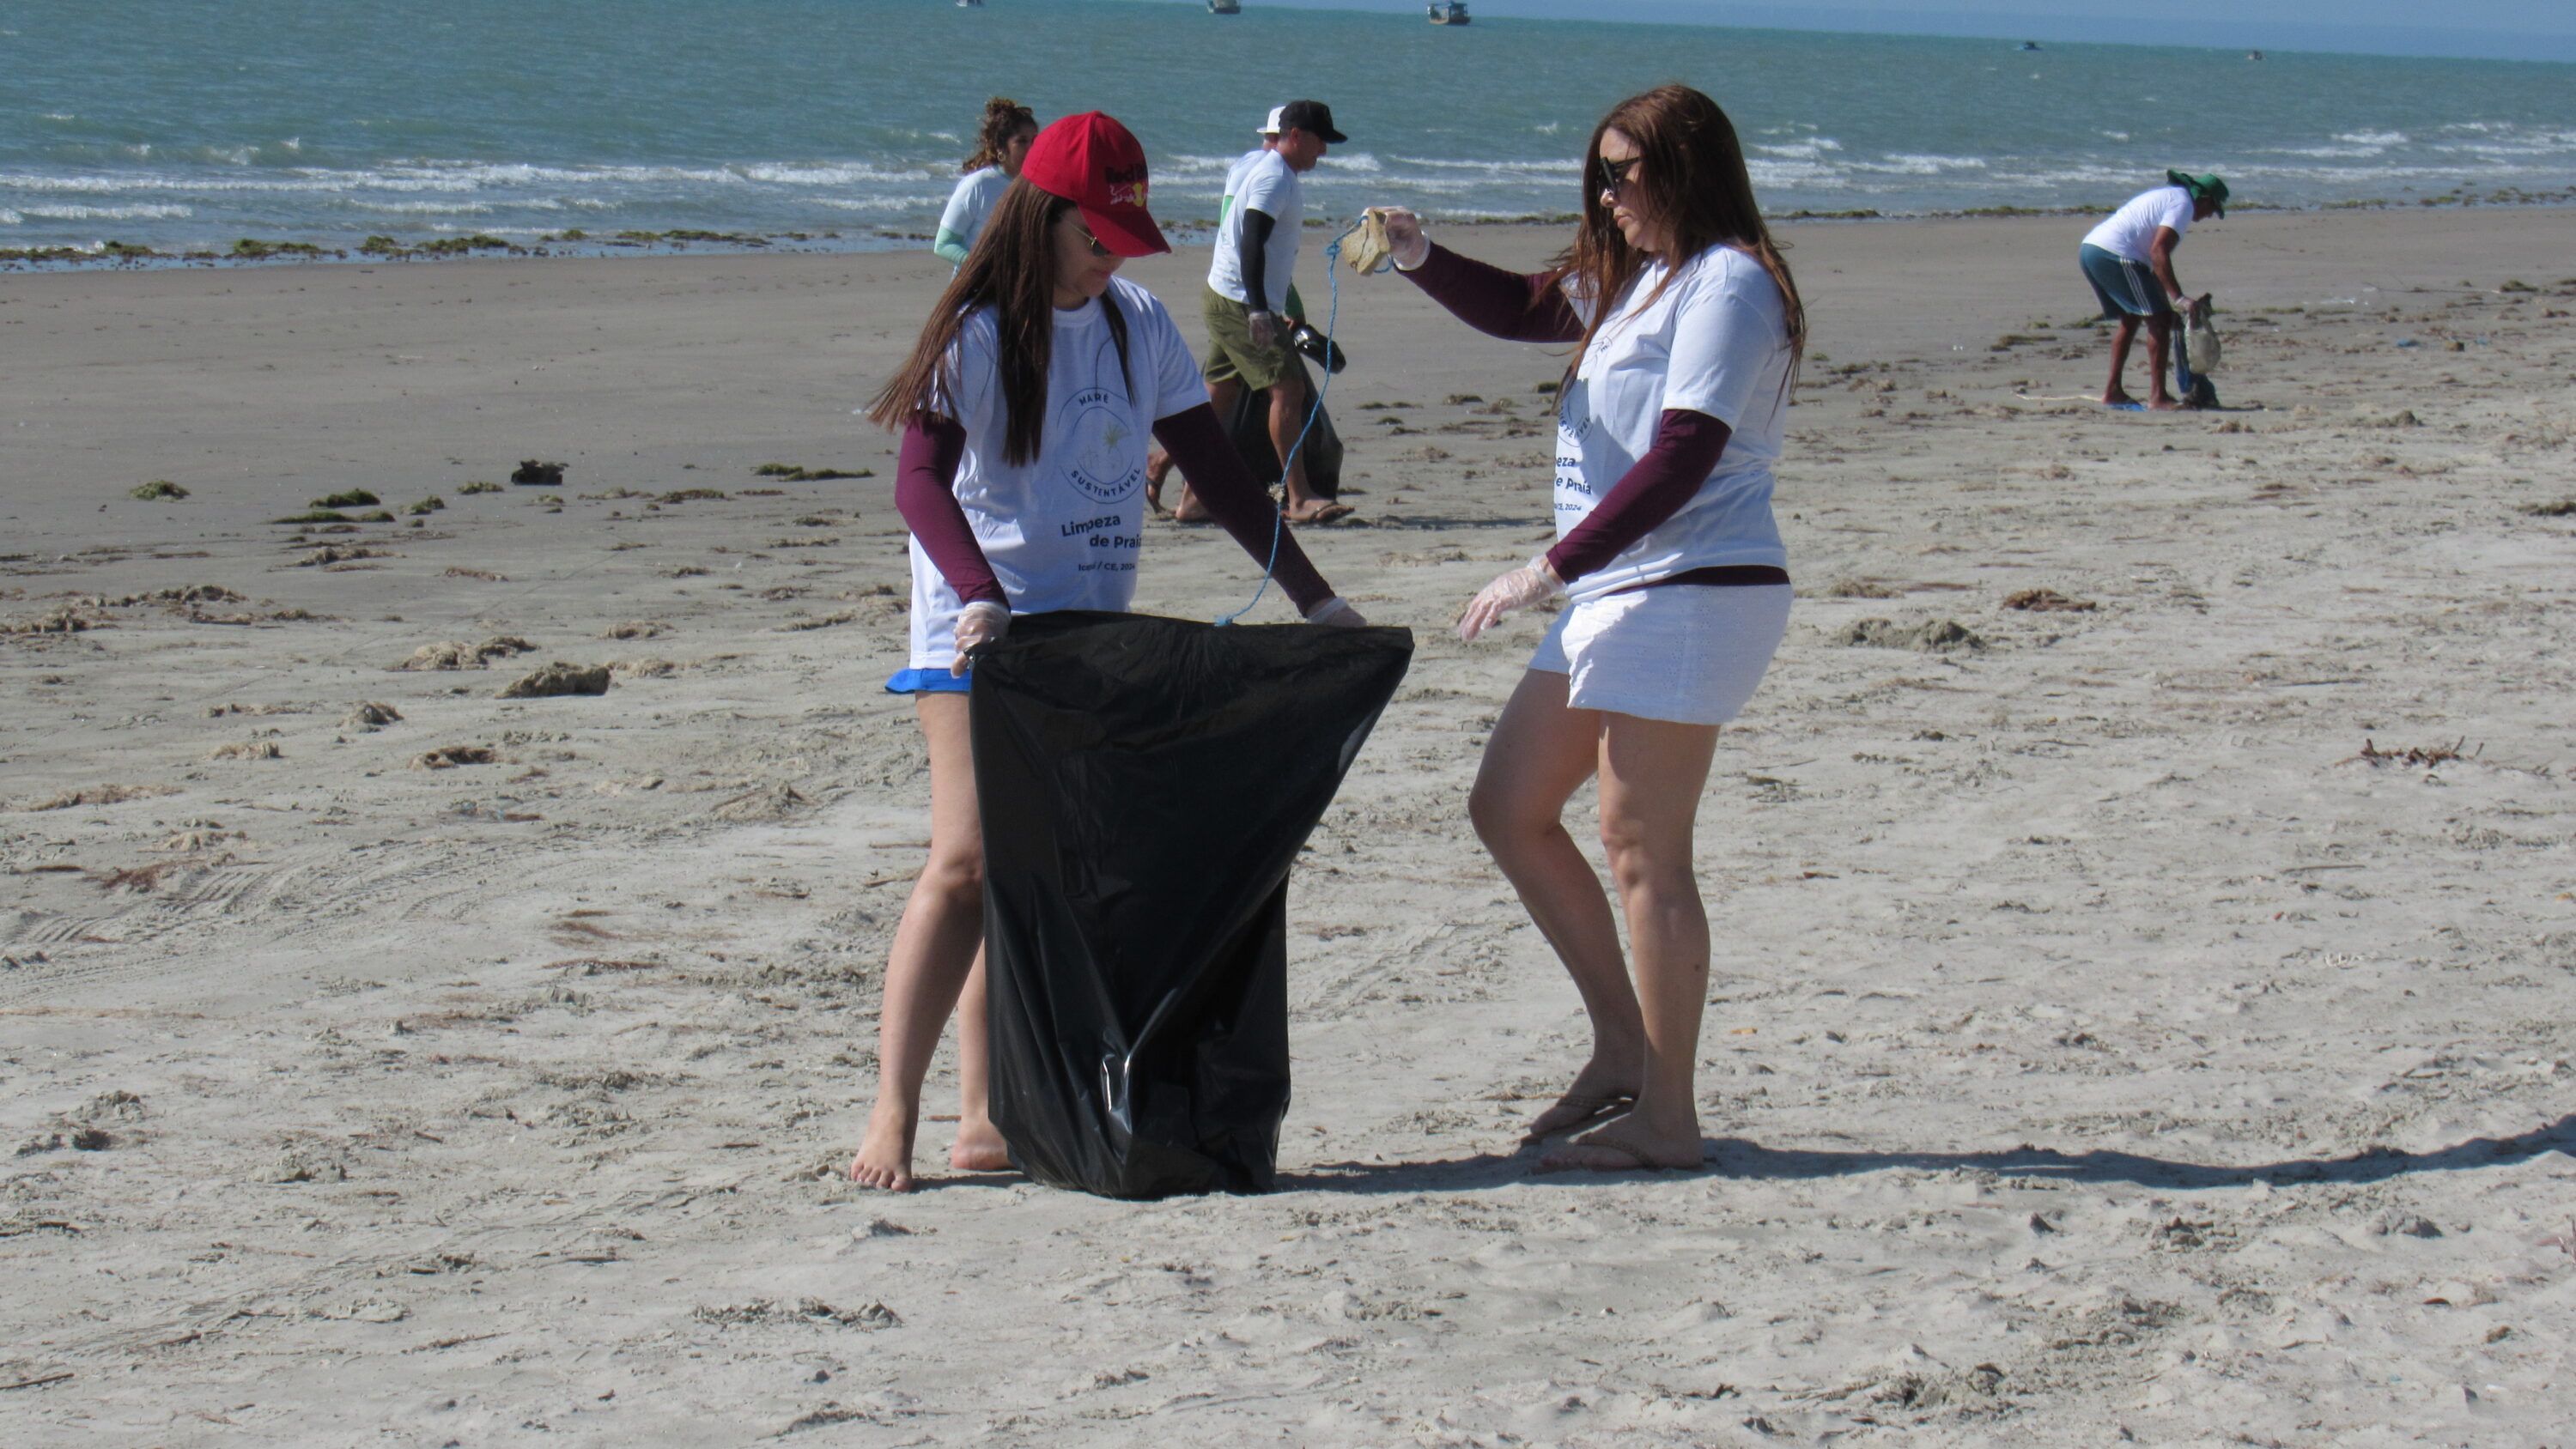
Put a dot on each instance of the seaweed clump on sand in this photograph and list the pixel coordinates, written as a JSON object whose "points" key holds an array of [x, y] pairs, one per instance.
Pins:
{"points": [[681, 237], [158, 488], [446, 246], [349, 498], [108, 251], [537, 473], [797, 473], [2048, 601], [251, 249], [449, 654], [555, 679], [1938, 636]]}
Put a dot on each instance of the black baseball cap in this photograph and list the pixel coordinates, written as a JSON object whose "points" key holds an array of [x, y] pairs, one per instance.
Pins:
{"points": [[1310, 116]]}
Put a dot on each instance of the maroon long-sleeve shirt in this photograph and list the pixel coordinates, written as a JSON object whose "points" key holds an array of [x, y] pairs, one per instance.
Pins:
{"points": [[1534, 308], [925, 493]]}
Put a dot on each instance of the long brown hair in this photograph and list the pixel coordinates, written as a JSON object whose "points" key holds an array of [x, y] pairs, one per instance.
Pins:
{"points": [[1694, 180], [1012, 271], [1003, 119]]}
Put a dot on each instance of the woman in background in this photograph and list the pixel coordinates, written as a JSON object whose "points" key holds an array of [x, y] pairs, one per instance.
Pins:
{"points": [[1687, 331], [1025, 408], [1000, 146]]}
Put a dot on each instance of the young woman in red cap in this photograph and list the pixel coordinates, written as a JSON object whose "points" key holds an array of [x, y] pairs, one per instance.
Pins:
{"points": [[1025, 408], [1686, 329]]}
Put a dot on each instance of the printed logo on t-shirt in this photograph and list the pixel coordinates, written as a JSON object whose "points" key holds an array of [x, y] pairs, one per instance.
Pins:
{"points": [[1571, 431], [1097, 460]]}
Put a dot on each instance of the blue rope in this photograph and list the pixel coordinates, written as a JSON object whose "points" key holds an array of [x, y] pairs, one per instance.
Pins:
{"points": [[1279, 521]]}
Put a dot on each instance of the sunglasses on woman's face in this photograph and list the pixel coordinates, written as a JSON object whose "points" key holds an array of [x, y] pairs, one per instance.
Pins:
{"points": [[1098, 247], [1615, 174]]}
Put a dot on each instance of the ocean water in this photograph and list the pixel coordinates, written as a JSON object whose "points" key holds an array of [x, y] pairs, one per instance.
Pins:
{"points": [[188, 124]]}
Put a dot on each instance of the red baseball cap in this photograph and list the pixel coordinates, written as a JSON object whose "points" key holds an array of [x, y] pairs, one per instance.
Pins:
{"points": [[1096, 163]]}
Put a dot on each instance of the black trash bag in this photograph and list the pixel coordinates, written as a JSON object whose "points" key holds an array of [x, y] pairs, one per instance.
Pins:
{"points": [[1145, 784], [1249, 426]]}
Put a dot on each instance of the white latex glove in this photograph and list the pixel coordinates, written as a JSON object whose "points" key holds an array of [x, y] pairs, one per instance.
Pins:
{"points": [[1404, 235], [1530, 584], [1265, 329], [1338, 613], [980, 622]]}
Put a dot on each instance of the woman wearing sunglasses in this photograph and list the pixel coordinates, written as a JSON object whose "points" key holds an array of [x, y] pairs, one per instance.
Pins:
{"points": [[1687, 330], [1025, 409]]}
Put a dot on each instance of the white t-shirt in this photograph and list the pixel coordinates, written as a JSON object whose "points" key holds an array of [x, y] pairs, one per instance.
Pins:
{"points": [[1715, 342], [972, 202], [1062, 530], [2132, 229], [1258, 181]]}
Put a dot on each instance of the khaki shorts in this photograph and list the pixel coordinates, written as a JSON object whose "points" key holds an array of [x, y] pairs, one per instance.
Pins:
{"points": [[1231, 355]]}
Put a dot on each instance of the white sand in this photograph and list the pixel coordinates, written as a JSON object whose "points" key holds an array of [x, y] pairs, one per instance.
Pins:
{"points": [[2099, 1049]]}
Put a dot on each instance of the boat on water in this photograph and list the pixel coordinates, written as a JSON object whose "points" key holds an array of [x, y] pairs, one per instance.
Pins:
{"points": [[970, 4], [1448, 12], [1225, 7]]}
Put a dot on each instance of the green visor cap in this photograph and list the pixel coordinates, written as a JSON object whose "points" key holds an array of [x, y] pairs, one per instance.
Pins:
{"points": [[2201, 186]]}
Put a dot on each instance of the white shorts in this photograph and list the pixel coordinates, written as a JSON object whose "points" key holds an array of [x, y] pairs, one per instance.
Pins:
{"points": [[1692, 653]]}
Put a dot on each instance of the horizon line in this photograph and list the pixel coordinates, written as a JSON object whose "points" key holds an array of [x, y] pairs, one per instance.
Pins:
{"points": [[2403, 42]]}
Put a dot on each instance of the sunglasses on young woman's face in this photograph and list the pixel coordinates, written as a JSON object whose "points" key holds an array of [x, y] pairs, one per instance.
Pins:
{"points": [[1615, 174], [1098, 247]]}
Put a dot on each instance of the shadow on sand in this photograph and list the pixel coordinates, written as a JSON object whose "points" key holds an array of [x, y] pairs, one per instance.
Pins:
{"points": [[1734, 1157]]}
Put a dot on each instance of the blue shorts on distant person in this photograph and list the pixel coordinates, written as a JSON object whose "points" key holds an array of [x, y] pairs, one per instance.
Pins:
{"points": [[928, 681], [2125, 288]]}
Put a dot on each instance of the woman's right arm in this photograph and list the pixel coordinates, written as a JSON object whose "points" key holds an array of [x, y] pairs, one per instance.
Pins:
{"points": [[925, 493], [950, 248], [1509, 305]]}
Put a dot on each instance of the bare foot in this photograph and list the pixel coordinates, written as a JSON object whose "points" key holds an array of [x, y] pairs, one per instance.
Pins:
{"points": [[1623, 1148], [1600, 1091], [979, 1148], [1191, 510], [2118, 397], [1577, 1110], [885, 1154], [2163, 404]]}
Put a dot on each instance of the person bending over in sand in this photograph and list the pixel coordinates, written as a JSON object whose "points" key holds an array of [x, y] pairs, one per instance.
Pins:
{"points": [[1025, 406], [2129, 261], [1688, 331], [1000, 146]]}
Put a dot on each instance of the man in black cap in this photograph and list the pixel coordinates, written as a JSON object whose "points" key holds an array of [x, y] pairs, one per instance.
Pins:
{"points": [[1247, 298]]}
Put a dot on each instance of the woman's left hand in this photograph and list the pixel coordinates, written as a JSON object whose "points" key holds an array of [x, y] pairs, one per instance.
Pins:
{"points": [[1404, 238], [980, 622], [1533, 583]]}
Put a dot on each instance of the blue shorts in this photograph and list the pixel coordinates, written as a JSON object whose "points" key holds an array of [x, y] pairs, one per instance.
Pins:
{"points": [[2125, 288], [928, 681]]}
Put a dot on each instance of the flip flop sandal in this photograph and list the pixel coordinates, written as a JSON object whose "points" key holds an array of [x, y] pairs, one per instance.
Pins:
{"points": [[1598, 1107], [1644, 1161]]}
